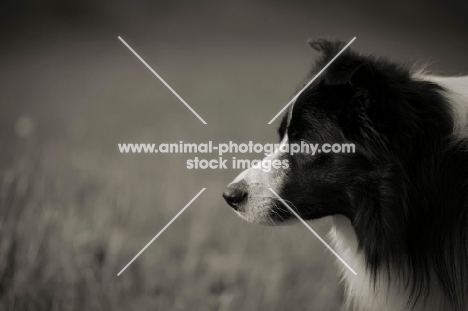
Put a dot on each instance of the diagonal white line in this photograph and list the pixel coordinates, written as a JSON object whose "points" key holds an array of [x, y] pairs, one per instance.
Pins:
{"points": [[162, 80], [313, 79], [312, 230], [160, 232]]}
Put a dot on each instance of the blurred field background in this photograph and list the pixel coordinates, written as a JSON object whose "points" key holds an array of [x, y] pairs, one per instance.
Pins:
{"points": [[73, 211]]}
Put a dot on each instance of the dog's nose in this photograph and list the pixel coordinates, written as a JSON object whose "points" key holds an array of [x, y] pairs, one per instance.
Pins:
{"points": [[235, 194]]}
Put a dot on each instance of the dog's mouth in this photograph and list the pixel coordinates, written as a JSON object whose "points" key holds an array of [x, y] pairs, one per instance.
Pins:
{"points": [[256, 204], [267, 217]]}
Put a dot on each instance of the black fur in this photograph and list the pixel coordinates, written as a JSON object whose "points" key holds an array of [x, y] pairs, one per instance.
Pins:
{"points": [[405, 189]]}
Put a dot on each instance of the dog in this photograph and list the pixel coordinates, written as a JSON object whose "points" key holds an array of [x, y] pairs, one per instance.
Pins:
{"points": [[399, 204]]}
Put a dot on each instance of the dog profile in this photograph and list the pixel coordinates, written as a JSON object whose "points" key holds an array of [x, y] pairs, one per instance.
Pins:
{"points": [[399, 204]]}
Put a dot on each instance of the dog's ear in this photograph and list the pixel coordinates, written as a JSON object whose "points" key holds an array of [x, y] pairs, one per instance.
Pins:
{"points": [[325, 46], [348, 68]]}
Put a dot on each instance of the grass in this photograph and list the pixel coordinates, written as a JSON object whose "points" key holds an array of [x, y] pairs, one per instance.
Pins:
{"points": [[69, 224]]}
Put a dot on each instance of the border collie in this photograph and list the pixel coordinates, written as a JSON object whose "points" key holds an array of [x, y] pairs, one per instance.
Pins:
{"points": [[399, 204]]}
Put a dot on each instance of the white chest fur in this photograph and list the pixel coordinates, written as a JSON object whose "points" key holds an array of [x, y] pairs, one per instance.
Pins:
{"points": [[360, 293]]}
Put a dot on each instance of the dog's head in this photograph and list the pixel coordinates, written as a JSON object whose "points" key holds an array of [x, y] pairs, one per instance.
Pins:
{"points": [[404, 189], [359, 100]]}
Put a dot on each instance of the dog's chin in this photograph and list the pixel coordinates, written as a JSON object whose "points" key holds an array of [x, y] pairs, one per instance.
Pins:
{"points": [[265, 217]]}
